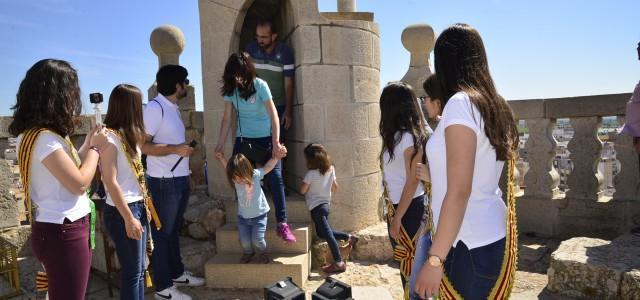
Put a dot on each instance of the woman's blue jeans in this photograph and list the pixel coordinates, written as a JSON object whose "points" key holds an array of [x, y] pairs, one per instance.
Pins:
{"points": [[130, 252]]}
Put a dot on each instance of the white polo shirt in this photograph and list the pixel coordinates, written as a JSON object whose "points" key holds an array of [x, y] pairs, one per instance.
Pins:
{"points": [[484, 219], [165, 128]]}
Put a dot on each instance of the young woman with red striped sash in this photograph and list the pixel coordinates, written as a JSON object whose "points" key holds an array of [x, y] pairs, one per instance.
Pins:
{"points": [[474, 234]]}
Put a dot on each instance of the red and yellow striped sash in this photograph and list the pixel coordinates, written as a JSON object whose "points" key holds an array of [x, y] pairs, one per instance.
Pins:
{"points": [[506, 278]]}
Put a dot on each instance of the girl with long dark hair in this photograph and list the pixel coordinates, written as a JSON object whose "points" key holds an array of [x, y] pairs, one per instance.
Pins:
{"points": [[125, 215], [475, 136], [55, 175], [404, 135], [258, 125]]}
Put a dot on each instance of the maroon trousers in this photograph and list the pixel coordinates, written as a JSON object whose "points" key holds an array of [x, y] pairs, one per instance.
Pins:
{"points": [[64, 251]]}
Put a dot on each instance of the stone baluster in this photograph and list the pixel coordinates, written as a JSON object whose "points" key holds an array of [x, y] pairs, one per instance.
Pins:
{"points": [[346, 5], [542, 178], [419, 40], [585, 182], [627, 181]]}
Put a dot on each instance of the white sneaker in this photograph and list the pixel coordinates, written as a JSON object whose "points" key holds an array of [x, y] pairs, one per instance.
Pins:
{"points": [[187, 279], [171, 293]]}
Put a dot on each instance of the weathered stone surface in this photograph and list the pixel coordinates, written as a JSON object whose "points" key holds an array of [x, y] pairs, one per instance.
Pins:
{"points": [[195, 254], [345, 46], [19, 237], [347, 122], [306, 42], [630, 287], [366, 84], [542, 179], [342, 156], [323, 84], [197, 231], [197, 120], [374, 120], [9, 215], [627, 180], [590, 268], [203, 216], [355, 204], [374, 244], [365, 154], [584, 181]]}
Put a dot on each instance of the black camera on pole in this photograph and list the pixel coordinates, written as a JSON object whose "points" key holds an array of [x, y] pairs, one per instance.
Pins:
{"points": [[96, 99]]}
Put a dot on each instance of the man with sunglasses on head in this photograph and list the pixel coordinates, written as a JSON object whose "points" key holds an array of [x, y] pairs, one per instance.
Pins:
{"points": [[168, 185]]}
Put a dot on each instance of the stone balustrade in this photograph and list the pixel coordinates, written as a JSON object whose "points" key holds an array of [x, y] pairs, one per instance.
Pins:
{"points": [[582, 209]]}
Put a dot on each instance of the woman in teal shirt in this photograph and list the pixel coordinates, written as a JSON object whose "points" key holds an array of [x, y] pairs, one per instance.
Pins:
{"points": [[258, 124]]}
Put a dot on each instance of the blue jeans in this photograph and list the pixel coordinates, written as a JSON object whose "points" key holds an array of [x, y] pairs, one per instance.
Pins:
{"points": [[170, 197], [423, 244], [320, 216], [473, 273], [251, 233], [130, 252], [273, 178]]}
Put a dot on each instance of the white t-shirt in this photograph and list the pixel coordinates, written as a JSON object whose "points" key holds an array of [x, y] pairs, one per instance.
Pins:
{"points": [[165, 128], [54, 201], [484, 219], [125, 177], [319, 187], [395, 173]]}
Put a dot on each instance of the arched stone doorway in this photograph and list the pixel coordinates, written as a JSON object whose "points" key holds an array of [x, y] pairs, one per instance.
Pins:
{"points": [[337, 89]]}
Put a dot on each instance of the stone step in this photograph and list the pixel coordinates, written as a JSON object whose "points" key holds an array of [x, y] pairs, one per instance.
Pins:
{"points": [[226, 271], [227, 239], [297, 211]]}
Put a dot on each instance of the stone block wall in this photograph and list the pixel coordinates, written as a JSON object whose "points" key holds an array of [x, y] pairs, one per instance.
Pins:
{"points": [[337, 59]]}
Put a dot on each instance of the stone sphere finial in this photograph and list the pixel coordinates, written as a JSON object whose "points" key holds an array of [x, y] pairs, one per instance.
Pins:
{"points": [[167, 40], [418, 38]]}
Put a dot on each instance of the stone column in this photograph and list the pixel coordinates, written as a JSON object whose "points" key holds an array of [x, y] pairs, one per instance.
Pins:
{"points": [[167, 42], [627, 180], [419, 40], [337, 105], [542, 179], [585, 182], [346, 5]]}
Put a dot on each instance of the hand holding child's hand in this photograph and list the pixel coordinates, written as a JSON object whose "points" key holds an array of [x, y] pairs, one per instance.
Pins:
{"points": [[280, 152], [218, 155]]}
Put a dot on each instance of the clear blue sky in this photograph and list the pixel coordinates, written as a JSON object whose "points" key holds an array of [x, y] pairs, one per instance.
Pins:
{"points": [[537, 49]]}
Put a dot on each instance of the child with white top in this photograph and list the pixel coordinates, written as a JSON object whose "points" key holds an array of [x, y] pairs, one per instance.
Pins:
{"points": [[252, 203], [317, 186]]}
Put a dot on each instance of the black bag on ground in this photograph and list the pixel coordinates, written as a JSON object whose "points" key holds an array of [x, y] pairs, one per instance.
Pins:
{"points": [[284, 289], [332, 289]]}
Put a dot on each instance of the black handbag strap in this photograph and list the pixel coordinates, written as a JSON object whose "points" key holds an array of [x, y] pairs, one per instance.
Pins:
{"points": [[238, 114]]}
